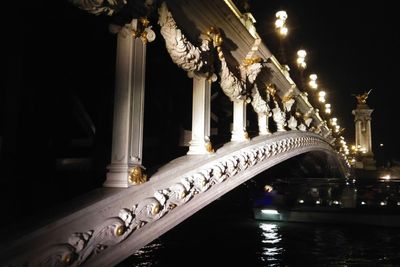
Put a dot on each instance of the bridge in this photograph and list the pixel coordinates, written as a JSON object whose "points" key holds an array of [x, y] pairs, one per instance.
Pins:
{"points": [[217, 45]]}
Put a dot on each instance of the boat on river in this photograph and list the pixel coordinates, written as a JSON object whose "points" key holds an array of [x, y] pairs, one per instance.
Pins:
{"points": [[372, 202]]}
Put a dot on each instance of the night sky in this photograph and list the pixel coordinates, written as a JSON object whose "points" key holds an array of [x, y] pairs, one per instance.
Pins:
{"points": [[352, 48]]}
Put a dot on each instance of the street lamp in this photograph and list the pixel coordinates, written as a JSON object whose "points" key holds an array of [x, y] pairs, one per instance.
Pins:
{"points": [[321, 96], [313, 81], [328, 108], [301, 64], [301, 59], [280, 25]]}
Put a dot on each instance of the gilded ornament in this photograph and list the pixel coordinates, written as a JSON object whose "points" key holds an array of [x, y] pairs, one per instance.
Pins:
{"points": [[136, 176], [214, 36], [362, 98], [120, 230], [155, 209], [271, 88], [287, 97], [209, 147], [250, 61], [67, 259]]}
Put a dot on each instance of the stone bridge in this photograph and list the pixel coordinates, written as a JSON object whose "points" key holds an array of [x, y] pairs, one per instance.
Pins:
{"points": [[215, 43]]}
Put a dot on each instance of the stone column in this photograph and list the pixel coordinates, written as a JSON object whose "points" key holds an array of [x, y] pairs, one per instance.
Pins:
{"points": [[200, 143], [239, 132], [368, 136], [126, 167], [362, 118], [263, 124]]}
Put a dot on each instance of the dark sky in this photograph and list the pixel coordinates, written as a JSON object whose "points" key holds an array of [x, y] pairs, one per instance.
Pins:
{"points": [[352, 48]]}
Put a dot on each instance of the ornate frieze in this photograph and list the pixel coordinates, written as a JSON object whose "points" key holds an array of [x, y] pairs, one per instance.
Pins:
{"points": [[90, 242]]}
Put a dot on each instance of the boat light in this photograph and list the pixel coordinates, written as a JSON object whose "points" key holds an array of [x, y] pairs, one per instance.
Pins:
{"points": [[270, 211]]}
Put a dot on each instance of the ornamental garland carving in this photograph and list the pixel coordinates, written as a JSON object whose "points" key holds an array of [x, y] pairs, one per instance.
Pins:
{"points": [[98, 7], [199, 61], [111, 7], [83, 245], [183, 53], [260, 106], [232, 86]]}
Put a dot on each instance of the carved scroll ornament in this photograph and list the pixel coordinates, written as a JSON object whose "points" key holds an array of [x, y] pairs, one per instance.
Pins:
{"points": [[82, 245]]}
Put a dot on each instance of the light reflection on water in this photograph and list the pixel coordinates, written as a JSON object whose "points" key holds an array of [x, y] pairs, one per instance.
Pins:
{"points": [[264, 244], [271, 248], [147, 256]]}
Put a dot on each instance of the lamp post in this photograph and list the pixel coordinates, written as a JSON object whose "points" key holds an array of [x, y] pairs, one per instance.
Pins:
{"points": [[301, 64], [313, 81], [280, 25]]}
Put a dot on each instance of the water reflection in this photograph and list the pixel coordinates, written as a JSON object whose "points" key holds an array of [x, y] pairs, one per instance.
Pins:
{"points": [[272, 248], [148, 255]]}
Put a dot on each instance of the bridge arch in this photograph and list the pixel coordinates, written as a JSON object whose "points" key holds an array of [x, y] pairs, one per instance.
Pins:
{"points": [[117, 225]]}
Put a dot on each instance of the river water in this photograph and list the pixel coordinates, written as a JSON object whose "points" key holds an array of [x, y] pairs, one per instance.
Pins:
{"points": [[225, 234]]}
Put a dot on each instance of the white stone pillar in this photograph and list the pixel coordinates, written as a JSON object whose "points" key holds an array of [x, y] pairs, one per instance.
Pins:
{"points": [[368, 136], [126, 167], [263, 124], [200, 143], [239, 132], [358, 132]]}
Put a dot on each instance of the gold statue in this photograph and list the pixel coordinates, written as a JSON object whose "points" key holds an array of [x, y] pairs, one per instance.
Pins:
{"points": [[362, 98]]}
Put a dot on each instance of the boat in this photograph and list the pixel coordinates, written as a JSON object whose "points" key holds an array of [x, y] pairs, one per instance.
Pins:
{"points": [[336, 201]]}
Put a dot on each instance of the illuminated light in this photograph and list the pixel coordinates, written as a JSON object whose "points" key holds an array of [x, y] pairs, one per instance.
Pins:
{"points": [[398, 203], [302, 53], [386, 177], [381, 145], [313, 77], [301, 201], [363, 203], [383, 203], [328, 108], [283, 31], [268, 188], [336, 202], [301, 63], [279, 23], [281, 15], [322, 93], [272, 212], [317, 202]]}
